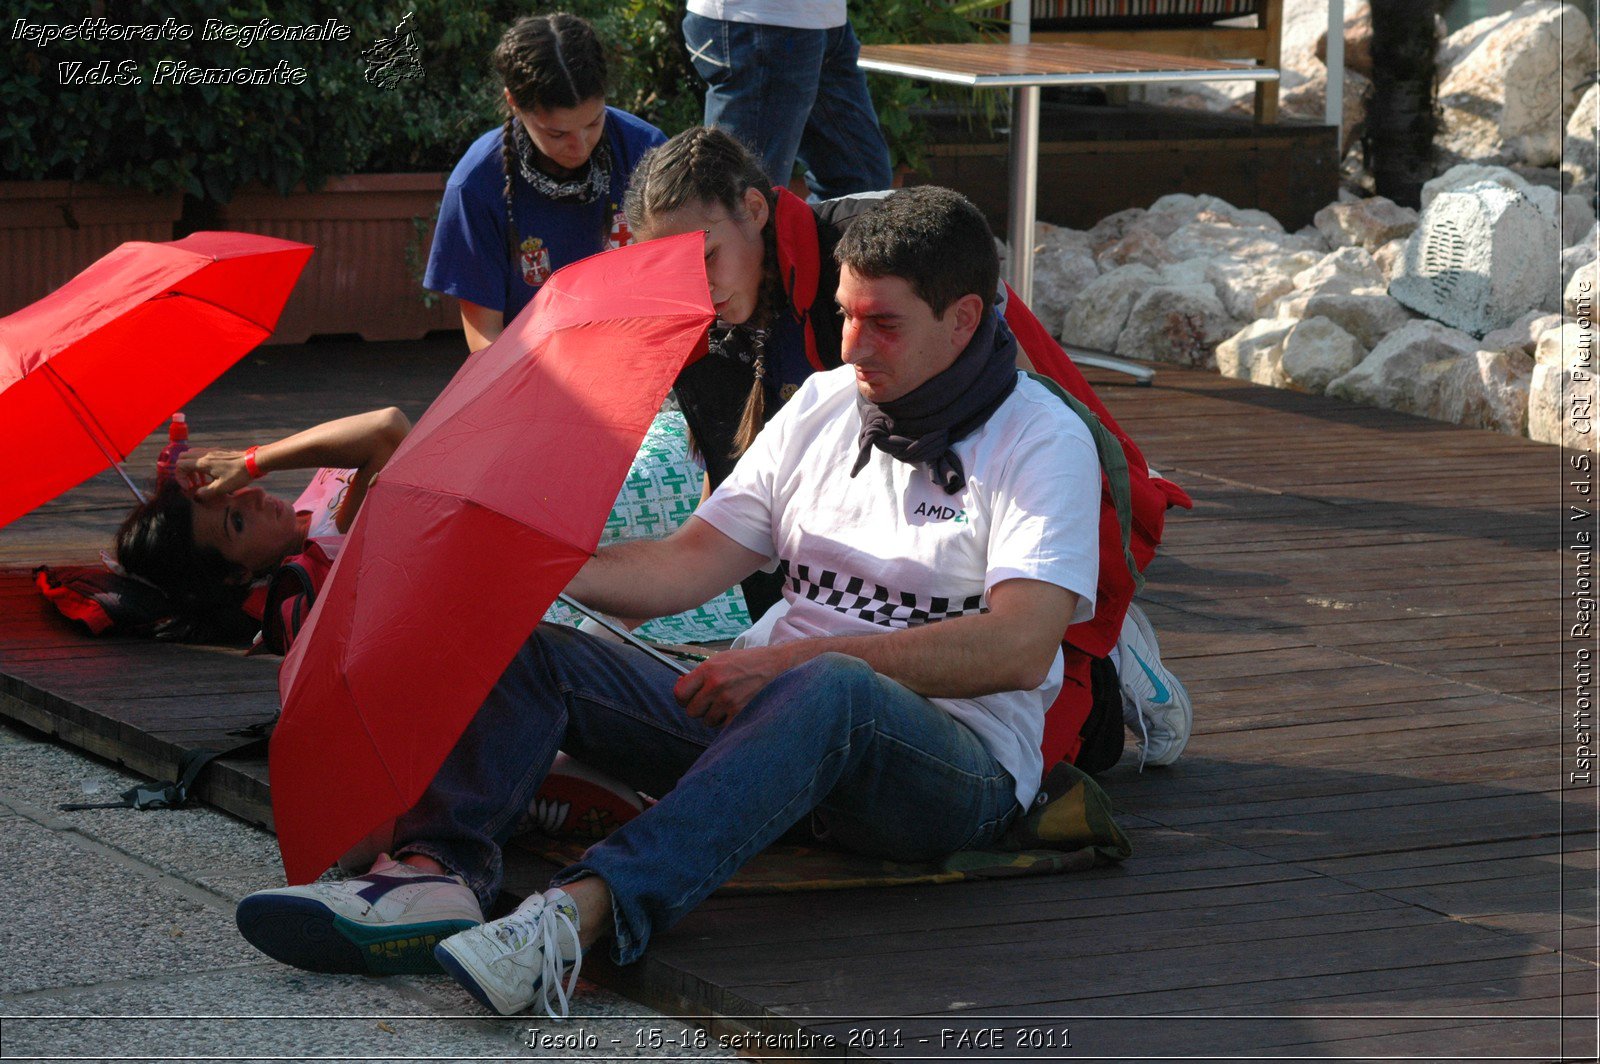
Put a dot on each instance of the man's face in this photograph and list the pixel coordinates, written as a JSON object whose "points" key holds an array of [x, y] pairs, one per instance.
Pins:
{"points": [[893, 339]]}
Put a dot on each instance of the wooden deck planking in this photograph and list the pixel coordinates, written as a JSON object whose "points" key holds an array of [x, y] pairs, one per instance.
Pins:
{"points": [[1369, 815]]}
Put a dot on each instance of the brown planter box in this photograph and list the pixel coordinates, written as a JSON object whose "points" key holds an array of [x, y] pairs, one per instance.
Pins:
{"points": [[365, 275], [51, 230]]}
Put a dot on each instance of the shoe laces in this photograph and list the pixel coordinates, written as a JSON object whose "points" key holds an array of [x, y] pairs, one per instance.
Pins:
{"points": [[544, 925]]}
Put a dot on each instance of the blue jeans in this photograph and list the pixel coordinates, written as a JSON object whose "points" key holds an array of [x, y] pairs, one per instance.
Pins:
{"points": [[787, 93], [881, 770]]}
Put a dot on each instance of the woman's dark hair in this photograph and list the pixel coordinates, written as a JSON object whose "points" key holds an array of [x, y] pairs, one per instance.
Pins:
{"points": [[704, 165], [156, 543], [545, 61]]}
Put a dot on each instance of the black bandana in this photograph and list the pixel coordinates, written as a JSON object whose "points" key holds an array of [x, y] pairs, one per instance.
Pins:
{"points": [[922, 426], [588, 188]]}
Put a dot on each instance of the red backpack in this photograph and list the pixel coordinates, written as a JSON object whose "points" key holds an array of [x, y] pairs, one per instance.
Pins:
{"points": [[291, 592]]}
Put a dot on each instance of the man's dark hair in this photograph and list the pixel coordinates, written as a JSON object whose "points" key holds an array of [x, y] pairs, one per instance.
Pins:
{"points": [[933, 237]]}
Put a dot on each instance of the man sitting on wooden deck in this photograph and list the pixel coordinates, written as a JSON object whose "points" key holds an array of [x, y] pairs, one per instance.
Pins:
{"points": [[926, 480]]}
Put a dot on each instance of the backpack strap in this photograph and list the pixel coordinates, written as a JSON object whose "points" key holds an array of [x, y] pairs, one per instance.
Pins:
{"points": [[1113, 462], [175, 794]]}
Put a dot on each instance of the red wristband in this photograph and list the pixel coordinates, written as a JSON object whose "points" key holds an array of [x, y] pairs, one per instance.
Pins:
{"points": [[250, 463]]}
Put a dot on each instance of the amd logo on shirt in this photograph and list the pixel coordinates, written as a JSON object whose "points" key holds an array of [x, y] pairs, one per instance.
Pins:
{"points": [[939, 512]]}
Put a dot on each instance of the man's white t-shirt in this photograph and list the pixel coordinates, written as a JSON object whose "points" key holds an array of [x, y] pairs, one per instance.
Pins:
{"points": [[889, 549], [795, 14]]}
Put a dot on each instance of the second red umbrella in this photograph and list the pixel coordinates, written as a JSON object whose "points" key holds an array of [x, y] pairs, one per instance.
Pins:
{"points": [[482, 516]]}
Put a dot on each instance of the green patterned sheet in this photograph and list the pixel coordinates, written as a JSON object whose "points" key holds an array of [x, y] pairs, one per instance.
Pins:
{"points": [[661, 491]]}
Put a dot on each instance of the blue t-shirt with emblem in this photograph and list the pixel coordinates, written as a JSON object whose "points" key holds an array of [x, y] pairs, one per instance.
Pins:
{"points": [[470, 259]]}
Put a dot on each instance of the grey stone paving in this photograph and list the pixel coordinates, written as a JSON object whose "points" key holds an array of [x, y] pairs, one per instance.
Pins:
{"points": [[120, 942]]}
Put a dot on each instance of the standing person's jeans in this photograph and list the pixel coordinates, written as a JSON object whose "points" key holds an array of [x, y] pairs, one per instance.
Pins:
{"points": [[790, 92], [886, 772]]}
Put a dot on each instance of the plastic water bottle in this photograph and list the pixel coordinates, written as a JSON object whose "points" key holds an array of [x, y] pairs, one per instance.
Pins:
{"points": [[177, 443]]}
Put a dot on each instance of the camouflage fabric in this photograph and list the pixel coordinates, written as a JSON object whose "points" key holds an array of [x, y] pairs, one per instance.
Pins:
{"points": [[1069, 830]]}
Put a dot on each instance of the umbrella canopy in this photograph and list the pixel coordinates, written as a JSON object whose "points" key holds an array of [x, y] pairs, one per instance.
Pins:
{"points": [[89, 371], [482, 516]]}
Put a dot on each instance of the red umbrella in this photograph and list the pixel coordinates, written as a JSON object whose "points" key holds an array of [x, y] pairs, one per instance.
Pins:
{"points": [[90, 370], [486, 511]]}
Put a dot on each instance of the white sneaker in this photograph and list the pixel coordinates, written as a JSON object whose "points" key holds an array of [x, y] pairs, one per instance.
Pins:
{"points": [[1155, 705], [382, 923], [509, 963]]}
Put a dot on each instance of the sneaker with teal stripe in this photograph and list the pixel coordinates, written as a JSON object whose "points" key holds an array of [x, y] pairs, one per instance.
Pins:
{"points": [[386, 922], [1155, 704]]}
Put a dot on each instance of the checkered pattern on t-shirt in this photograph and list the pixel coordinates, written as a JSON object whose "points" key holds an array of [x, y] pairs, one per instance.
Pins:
{"points": [[873, 602]]}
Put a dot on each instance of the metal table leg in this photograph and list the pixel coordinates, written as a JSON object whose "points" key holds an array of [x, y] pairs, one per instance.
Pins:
{"points": [[1023, 203], [1024, 186]]}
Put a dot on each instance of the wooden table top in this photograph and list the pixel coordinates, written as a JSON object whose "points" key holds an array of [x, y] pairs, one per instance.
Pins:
{"points": [[1005, 65]]}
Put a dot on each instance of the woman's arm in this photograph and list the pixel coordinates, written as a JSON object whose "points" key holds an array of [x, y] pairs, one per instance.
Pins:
{"points": [[363, 442], [482, 325]]}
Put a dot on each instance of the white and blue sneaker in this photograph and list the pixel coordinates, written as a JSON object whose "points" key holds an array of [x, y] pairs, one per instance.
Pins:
{"points": [[509, 963], [1155, 705], [383, 923]]}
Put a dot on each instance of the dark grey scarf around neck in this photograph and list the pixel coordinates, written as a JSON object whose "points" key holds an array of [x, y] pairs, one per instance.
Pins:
{"points": [[589, 186], [922, 426]]}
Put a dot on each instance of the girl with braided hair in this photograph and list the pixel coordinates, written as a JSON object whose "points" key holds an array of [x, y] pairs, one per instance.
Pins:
{"points": [[769, 258], [770, 263], [543, 190]]}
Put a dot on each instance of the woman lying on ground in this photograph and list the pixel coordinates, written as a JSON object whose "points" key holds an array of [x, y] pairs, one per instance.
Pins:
{"points": [[208, 548], [205, 545], [769, 260]]}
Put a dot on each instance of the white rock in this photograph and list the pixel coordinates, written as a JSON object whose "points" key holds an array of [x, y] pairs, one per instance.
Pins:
{"points": [[1574, 258], [1113, 227], [1561, 394], [1185, 273], [1345, 270], [1139, 247], [1202, 238], [1404, 370], [1578, 299], [1481, 258], [1389, 259], [1096, 317], [1186, 208], [1181, 203], [1250, 285], [1577, 218], [1468, 37], [1578, 154], [1314, 353], [1485, 390], [1313, 239], [1253, 353], [1508, 96], [1062, 266], [1368, 223], [1522, 334], [1172, 323], [1309, 101], [1465, 175], [1219, 98], [1368, 314]]}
